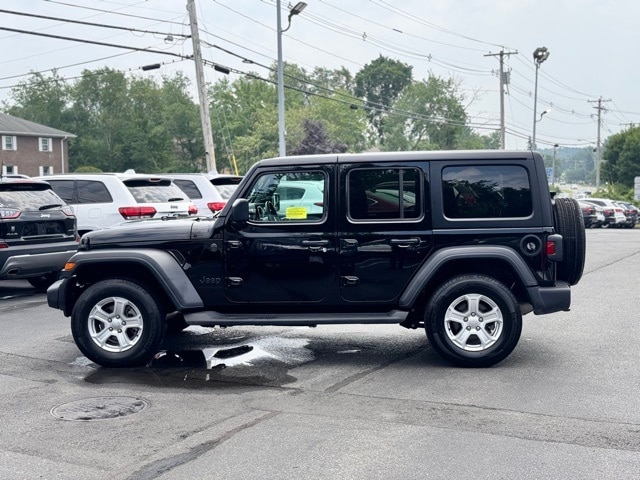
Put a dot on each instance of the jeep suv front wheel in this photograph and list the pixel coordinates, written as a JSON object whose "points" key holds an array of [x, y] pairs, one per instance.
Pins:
{"points": [[117, 323], [473, 321]]}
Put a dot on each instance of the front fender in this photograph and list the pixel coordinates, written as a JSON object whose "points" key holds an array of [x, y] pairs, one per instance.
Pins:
{"points": [[441, 257], [159, 263]]}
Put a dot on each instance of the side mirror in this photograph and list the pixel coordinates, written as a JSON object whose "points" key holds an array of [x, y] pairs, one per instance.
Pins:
{"points": [[240, 211]]}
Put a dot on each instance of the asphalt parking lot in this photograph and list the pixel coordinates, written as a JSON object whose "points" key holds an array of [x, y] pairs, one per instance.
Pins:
{"points": [[343, 402]]}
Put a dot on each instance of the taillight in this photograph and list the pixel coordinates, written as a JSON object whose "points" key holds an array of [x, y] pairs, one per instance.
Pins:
{"points": [[553, 248], [134, 213], [68, 211], [192, 209], [216, 206], [9, 213], [4, 245]]}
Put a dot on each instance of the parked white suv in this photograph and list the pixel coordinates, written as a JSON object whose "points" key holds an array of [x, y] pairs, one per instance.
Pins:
{"points": [[100, 200], [208, 191]]}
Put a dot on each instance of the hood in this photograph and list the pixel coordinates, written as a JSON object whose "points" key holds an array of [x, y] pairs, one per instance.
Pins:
{"points": [[150, 232]]}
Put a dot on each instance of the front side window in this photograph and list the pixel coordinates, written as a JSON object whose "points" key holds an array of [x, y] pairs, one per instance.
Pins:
{"points": [[45, 144], [486, 191], [385, 194], [9, 142], [288, 196]]}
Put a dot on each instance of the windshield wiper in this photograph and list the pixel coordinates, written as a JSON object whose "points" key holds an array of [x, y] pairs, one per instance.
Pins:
{"points": [[175, 199], [47, 207]]}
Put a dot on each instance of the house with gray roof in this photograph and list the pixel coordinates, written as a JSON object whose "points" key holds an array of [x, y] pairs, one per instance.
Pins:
{"points": [[32, 149]]}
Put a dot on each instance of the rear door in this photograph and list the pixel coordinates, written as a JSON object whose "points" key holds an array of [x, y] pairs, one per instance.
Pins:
{"points": [[384, 229], [283, 255]]}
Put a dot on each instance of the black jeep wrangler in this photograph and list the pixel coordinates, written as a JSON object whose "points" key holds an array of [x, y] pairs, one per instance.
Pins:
{"points": [[461, 244]]}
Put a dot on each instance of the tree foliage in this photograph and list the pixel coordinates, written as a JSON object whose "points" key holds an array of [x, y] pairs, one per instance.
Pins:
{"points": [[621, 157], [379, 84]]}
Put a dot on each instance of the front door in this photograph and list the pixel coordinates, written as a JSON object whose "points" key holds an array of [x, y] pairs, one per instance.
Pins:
{"points": [[287, 250]]}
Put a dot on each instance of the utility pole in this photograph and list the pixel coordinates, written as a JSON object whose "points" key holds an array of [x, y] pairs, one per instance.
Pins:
{"points": [[502, 84], [598, 157], [205, 117]]}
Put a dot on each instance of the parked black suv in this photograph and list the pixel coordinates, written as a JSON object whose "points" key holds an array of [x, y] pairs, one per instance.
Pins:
{"points": [[459, 243], [37, 232]]}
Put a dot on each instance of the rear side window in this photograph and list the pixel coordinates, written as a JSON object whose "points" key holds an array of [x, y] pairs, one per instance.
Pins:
{"points": [[393, 194], [190, 188], [91, 191], [486, 191]]}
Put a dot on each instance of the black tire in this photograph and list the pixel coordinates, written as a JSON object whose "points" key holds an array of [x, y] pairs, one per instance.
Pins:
{"points": [[43, 281], [473, 321], [570, 224], [111, 304]]}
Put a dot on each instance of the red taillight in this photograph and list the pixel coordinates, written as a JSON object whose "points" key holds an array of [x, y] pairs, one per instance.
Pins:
{"points": [[551, 248], [4, 245], [133, 213], [192, 209], [319, 204], [216, 206], [9, 213]]}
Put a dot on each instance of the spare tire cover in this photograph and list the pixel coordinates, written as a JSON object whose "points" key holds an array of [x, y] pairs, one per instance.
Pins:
{"points": [[570, 224]]}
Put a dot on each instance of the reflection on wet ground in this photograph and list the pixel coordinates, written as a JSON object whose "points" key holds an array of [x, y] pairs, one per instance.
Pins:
{"points": [[199, 358]]}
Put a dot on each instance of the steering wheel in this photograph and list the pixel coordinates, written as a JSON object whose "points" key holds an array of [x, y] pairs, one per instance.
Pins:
{"points": [[272, 213]]}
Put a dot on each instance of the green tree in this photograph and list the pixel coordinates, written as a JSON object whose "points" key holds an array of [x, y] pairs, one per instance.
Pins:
{"points": [[316, 140], [379, 83], [427, 115], [621, 157], [42, 100]]}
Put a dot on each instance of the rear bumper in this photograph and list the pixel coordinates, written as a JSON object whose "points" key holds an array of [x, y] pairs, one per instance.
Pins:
{"points": [[25, 264], [550, 299]]}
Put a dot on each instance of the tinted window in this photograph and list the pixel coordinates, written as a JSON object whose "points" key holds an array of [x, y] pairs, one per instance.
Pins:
{"points": [[491, 191], [385, 194], [64, 189], [188, 187], [145, 191], [90, 191]]}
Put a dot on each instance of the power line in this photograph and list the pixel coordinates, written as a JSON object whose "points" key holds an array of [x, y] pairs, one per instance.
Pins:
{"points": [[80, 22]]}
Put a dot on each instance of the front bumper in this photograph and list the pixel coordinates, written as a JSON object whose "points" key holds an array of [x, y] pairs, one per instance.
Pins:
{"points": [[56, 294]]}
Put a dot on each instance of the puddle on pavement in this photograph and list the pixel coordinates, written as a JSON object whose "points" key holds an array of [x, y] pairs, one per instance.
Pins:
{"points": [[261, 362]]}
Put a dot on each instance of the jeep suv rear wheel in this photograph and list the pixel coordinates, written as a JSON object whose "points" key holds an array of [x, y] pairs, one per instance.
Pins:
{"points": [[117, 323], [473, 321]]}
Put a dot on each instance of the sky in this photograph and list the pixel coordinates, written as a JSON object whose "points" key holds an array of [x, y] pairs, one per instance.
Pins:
{"points": [[591, 46]]}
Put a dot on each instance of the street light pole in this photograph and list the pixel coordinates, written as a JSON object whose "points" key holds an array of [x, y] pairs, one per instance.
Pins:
{"points": [[540, 54], [294, 11]]}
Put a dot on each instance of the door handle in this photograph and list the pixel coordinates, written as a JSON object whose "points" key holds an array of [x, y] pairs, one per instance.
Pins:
{"points": [[404, 242], [234, 244], [316, 245]]}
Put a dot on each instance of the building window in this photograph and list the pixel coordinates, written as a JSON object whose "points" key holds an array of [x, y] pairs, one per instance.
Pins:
{"points": [[45, 144], [46, 170], [9, 142], [9, 170]]}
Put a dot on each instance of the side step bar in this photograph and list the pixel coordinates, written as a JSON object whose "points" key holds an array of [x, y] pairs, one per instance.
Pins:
{"points": [[212, 318]]}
